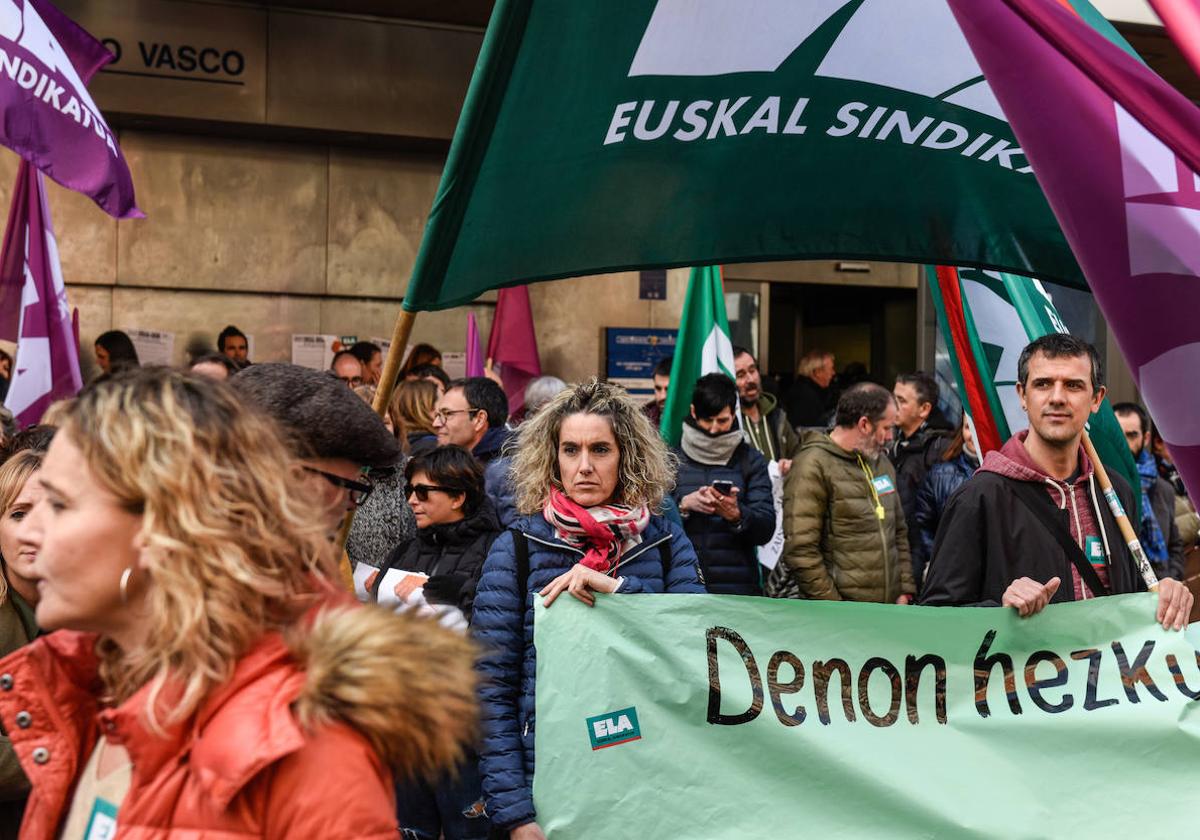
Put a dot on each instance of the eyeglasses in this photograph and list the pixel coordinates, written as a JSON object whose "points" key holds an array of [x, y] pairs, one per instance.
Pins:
{"points": [[359, 490], [352, 381], [422, 491], [444, 414]]}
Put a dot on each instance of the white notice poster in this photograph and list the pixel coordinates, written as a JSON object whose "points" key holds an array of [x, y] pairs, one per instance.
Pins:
{"points": [[313, 351], [455, 365], [153, 347]]}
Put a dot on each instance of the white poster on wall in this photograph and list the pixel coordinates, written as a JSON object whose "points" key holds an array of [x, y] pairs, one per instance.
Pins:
{"points": [[455, 365], [153, 347], [313, 351]]}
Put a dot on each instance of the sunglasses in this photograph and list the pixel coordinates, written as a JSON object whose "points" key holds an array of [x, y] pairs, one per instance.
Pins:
{"points": [[422, 491], [359, 490]]}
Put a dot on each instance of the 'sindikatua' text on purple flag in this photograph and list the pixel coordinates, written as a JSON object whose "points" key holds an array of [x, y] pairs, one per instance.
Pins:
{"points": [[1116, 151], [47, 115], [47, 363]]}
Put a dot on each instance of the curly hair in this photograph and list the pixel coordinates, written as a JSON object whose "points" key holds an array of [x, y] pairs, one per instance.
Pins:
{"points": [[647, 467], [233, 551], [14, 474]]}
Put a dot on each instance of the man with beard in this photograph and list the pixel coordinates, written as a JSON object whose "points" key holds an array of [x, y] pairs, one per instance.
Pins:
{"points": [[1157, 531], [845, 533], [723, 490], [767, 426], [1030, 528]]}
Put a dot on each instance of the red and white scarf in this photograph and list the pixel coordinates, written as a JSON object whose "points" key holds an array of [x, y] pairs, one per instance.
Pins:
{"points": [[603, 532]]}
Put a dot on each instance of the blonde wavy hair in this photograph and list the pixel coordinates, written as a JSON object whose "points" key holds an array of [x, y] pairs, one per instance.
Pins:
{"points": [[14, 474], [233, 551], [647, 468]]}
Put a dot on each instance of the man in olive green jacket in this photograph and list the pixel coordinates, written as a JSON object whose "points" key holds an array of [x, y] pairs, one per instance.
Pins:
{"points": [[842, 517]]}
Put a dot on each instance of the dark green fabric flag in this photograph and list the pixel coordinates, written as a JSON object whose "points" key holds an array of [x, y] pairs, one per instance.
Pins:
{"points": [[600, 137]]}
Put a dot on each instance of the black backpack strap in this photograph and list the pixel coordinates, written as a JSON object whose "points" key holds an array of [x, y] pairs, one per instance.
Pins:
{"points": [[664, 555], [1039, 504], [521, 554]]}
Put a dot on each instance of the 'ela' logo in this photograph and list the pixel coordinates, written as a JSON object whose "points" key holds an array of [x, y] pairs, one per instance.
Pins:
{"points": [[614, 728]]}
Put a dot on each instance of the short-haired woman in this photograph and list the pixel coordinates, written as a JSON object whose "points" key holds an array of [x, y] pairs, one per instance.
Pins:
{"points": [[440, 568], [206, 679], [19, 491], [590, 473]]}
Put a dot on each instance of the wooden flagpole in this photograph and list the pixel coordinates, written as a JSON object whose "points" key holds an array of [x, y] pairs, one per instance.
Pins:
{"points": [[1118, 511]]}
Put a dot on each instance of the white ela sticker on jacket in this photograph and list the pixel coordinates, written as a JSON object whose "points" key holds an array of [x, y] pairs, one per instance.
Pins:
{"points": [[1093, 550], [102, 825], [883, 485]]}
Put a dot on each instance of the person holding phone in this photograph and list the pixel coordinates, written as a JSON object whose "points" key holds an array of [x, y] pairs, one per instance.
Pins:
{"points": [[723, 490]]}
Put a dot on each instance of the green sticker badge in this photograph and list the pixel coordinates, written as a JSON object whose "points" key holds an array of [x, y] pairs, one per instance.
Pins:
{"points": [[614, 728]]}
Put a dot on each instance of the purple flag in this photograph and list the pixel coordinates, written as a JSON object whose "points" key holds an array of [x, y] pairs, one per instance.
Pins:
{"points": [[47, 364], [1116, 151], [474, 347], [47, 115], [513, 344]]}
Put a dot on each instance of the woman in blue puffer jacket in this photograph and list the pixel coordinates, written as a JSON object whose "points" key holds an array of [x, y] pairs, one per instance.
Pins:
{"points": [[589, 471], [958, 463]]}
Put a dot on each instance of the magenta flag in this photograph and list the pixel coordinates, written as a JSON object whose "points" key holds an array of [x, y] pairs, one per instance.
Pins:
{"points": [[47, 115], [1182, 19], [474, 347], [47, 364], [1116, 151], [513, 344]]}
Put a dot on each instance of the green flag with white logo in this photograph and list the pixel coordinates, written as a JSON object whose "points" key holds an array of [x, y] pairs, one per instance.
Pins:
{"points": [[600, 136], [703, 347]]}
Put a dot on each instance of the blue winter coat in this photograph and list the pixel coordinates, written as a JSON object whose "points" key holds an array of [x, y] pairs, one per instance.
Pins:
{"points": [[727, 552], [497, 484], [940, 482], [503, 623]]}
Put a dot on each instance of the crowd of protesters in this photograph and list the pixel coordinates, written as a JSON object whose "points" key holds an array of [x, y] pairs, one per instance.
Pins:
{"points": [[181, 531]]}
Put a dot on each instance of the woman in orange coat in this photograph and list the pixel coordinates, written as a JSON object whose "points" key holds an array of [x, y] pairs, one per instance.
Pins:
{"points": [[206, 679]]}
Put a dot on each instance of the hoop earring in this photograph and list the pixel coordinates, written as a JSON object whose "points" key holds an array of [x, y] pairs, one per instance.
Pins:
{"points": [[125, 575]]}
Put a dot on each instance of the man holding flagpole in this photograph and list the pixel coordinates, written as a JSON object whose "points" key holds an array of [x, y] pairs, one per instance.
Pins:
{"points": [[1029, 529]]}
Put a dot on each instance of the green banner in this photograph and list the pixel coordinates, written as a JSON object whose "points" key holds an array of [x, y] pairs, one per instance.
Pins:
{"points": [[699, 716], [601, 136]]}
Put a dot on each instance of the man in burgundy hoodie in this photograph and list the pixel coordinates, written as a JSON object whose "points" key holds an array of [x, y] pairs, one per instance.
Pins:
{"points": [[995, 547]]}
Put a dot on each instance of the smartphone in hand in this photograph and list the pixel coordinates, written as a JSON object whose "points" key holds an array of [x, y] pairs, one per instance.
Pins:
{"points": [[725, 488]]}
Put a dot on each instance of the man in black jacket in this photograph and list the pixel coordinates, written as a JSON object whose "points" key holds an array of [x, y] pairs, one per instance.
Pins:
{"points": [[917, 448], [723, 490], [1030, 527]]}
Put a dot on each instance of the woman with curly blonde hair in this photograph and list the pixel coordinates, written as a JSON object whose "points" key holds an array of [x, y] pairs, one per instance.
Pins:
{"points": [[589, 473], [206, 677]]}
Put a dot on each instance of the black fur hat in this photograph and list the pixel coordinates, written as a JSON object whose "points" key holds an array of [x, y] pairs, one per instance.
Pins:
{"points": [[323, 418]]}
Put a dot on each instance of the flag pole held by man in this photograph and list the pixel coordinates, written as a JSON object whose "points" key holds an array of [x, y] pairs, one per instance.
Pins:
{"points": [[1030, 528]]}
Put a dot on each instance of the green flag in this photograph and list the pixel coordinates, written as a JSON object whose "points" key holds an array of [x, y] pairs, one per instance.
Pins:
{"points": [[599, 137], [706, 717], [703, 347], [996, 315]]}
